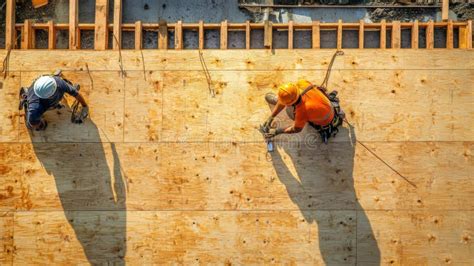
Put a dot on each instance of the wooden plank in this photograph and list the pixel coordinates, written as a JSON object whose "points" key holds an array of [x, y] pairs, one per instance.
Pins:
{"points": [[396, 35], [157, 178], [383, 34], [316, 41], [27, 35], [449, 35], [223, 35], [51, 35], [101, 25], [465, 33], [74, 39], [339, 35], [247, 34], [268, 34], [430, 35], [361, 34], [233, 60], [178, 35], [33, 38], [201, 35], [414, 35], [10, 39], [117, 24], [445, 10], [290, 35], [138, 35], [163, 35]]}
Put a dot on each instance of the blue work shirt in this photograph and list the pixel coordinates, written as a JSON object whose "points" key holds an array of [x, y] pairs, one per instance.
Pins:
{"points": [[37, 106]]}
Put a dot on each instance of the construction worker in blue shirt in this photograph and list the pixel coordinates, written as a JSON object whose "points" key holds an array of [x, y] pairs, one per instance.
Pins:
{"points": [[45, 94]]}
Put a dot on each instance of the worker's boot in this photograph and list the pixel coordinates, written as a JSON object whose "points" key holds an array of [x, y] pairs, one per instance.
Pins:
{"points": [[271, 98]]}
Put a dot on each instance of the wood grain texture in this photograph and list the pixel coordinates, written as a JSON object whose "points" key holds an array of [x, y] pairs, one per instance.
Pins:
{"points": [[277, 60], [164, 173], [138, 35], [117, 31], [315, 35], [6, 238], [74, 40], [415, 35]]}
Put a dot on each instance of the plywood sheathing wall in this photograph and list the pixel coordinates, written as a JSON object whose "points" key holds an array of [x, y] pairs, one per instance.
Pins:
{"points": [[163, 172]]}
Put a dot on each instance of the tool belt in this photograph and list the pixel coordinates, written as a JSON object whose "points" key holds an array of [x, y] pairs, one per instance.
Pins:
{"points": [[332, 128]]}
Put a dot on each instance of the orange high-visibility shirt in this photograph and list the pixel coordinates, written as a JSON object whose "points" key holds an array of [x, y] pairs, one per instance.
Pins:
{"points": [[314, 107]]}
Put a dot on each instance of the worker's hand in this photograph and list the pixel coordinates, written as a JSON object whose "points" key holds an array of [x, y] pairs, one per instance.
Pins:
{"points": [[273, 132], [268, 124], [82, 116], [84, 112]]}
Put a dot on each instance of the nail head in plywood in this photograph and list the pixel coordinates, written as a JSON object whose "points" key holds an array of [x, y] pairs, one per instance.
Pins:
{"points": [[414, 35], [178, 35], [361, 34], [247, 34], [73, 21], [163, 35], [117, 24], [396, 32], [138, 35], [268, 34], [26, 37], [223, 42], [290, 34], [51, 35], [315, 35], [201, 34], [339, 35], [101, 25], [445, 10], [10, 24], [383, 34], [465, 35], [449, 35], [430, 35]]}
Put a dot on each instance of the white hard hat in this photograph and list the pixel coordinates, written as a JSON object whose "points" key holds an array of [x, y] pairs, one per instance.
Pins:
{"points": [[45, 87]]}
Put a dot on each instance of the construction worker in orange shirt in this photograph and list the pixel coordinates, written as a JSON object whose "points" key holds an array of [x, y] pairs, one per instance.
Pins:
{"points": [[305, 103]]}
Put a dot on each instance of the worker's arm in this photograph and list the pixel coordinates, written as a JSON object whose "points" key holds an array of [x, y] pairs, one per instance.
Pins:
{"points": [[268, 123], [291, 130], [278, 108], [81, 100]]}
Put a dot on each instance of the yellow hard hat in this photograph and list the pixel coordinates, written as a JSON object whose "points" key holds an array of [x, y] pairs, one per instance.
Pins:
{"points": [[288, 93]]}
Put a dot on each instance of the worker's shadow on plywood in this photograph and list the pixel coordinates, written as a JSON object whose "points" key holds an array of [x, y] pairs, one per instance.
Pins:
{"points": [[92, 190], [319, 180]]}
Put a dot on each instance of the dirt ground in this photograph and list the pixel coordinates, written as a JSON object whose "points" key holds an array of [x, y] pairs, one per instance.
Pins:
{"points": [[464, 11], [389, 14]]}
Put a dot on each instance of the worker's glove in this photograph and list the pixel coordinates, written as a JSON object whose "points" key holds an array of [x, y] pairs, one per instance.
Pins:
{"points": [[268, 124], [83, 114], [43, 125], [273, 132]]}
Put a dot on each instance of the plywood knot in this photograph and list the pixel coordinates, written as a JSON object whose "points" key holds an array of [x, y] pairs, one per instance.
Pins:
{"points": [[466, 239], [431, 238]]}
